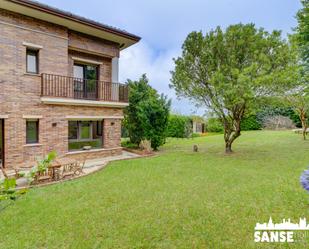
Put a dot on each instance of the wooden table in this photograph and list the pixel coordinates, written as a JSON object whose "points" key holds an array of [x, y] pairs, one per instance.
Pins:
{"points": [[57, 164], [55, 169]]}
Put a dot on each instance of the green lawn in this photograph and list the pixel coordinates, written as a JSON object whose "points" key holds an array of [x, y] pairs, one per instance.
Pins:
{"points": [[178, 199]]}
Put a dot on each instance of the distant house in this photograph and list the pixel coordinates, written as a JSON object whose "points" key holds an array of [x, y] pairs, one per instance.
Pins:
{"points": [[198, 124], [59, 86]]}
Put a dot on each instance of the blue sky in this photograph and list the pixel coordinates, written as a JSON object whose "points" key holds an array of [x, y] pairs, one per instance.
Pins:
{"points": [[163, 26]]}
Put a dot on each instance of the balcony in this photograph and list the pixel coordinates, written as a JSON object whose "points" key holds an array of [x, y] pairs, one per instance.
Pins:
{"points": [[82, 89]]}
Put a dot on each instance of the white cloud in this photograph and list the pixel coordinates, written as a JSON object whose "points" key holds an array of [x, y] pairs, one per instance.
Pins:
{"points": [[163, 26], [141, 59]]}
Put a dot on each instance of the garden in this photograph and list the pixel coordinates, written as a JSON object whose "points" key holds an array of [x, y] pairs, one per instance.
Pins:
{"points": [[190, 190], [176, 199]]}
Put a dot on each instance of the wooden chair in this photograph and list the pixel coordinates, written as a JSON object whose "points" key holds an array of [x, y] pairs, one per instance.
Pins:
{"points": [[43, 176], [67, 170], [79, 167], [9, 174]]}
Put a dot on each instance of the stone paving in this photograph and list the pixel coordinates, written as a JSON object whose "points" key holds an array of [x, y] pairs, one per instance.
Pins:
{"points": [[91, 166]]}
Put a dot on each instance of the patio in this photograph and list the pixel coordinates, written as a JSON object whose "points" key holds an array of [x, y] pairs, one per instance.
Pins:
{"points": [[91, 166]]}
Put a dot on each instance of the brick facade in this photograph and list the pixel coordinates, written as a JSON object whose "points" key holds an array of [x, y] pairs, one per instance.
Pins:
{"points": [[20, 92]]}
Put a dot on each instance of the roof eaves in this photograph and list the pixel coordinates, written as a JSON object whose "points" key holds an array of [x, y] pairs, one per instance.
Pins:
{"points": [[76, 18]]}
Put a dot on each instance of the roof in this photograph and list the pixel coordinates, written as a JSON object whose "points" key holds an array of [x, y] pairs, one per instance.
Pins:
{"points": [[196, 118], [54, 15]]}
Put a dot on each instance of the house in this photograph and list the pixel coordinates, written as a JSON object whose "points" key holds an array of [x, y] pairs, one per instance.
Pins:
{"points": [[59, 86], [198, 124]]}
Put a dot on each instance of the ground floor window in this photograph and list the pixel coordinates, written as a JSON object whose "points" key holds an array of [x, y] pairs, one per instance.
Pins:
{"points": [[85, 135], [32, 131]]}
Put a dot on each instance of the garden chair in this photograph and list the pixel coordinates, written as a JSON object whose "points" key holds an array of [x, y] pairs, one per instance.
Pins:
{"points": [[67, 170], [79, 167], [14, 173], [43, 176]]}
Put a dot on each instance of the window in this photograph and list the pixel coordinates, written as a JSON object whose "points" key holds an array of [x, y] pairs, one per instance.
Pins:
{"points": [[32, 131], [85, 134], [85, 130], [73, 130], [99, 128], [32, 61]]}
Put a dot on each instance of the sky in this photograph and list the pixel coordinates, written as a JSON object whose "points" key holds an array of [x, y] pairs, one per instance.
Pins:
{"points": [[164, 25]]}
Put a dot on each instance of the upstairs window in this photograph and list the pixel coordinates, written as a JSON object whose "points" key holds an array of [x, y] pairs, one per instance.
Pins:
{"points": [[32, 61], [32, 131]]}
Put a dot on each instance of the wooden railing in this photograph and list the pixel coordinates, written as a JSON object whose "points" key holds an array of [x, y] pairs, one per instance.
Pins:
{"points": [[70, 87]]}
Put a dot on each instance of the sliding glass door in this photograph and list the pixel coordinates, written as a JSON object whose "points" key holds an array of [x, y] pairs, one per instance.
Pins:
{"points": [[85, 82]]}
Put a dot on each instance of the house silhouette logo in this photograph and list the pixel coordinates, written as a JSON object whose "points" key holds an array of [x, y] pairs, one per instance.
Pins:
{"points": [[279, 232], [284, 225]]}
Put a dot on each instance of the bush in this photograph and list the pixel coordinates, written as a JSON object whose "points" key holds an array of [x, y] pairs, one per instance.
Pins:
{"points": [[179, 126], [128, 144], [147, 114], [278, 122], [214, 125], [304, 180], [195, 135], [250, 123], [271, 111]]}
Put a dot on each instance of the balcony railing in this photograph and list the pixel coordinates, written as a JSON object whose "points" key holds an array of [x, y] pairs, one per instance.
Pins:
{"points": [[70, 87]]}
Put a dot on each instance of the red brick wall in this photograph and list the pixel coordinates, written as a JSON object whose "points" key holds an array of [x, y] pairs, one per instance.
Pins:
{"points": [[20, 92], [83, 42]]}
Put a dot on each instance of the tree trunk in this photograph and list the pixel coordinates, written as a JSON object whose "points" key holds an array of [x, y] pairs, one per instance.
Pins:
{"points": [[228, 147], [304, 132], [303, 119], [232, 126], [230, 134]]}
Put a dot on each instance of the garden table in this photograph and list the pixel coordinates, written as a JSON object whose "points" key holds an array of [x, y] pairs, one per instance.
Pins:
{"points": [[57, 164], [55, 169]]}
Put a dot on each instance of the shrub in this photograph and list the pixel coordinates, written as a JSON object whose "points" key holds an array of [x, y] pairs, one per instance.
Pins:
{"points": [[42, 165], [8, 190], [250, 123], [195, 135], [147, 113], [214, 125], [278, 122], [304, 180], [145, 145], [179, 126], [129, 144], [270, 111]]}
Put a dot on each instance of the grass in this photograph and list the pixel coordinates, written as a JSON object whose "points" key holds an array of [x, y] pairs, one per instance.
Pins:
{"points": [[178, 199]]}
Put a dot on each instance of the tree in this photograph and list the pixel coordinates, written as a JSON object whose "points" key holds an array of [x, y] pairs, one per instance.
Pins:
{"points": [[300, 104], [303, 32], [299, 97], [179, 126], [147, 113], [228, 70]]}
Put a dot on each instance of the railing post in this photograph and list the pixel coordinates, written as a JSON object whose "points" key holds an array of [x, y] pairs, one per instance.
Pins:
{"points": [[42, 79]]}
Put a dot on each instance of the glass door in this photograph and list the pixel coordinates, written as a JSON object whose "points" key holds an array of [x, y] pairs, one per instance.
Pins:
{"points": [[79, 82], [1, 142], [85, 82], [91, 73]]}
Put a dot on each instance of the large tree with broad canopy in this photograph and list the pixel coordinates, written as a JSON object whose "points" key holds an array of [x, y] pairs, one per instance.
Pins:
{"points": [[227, 71]]}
